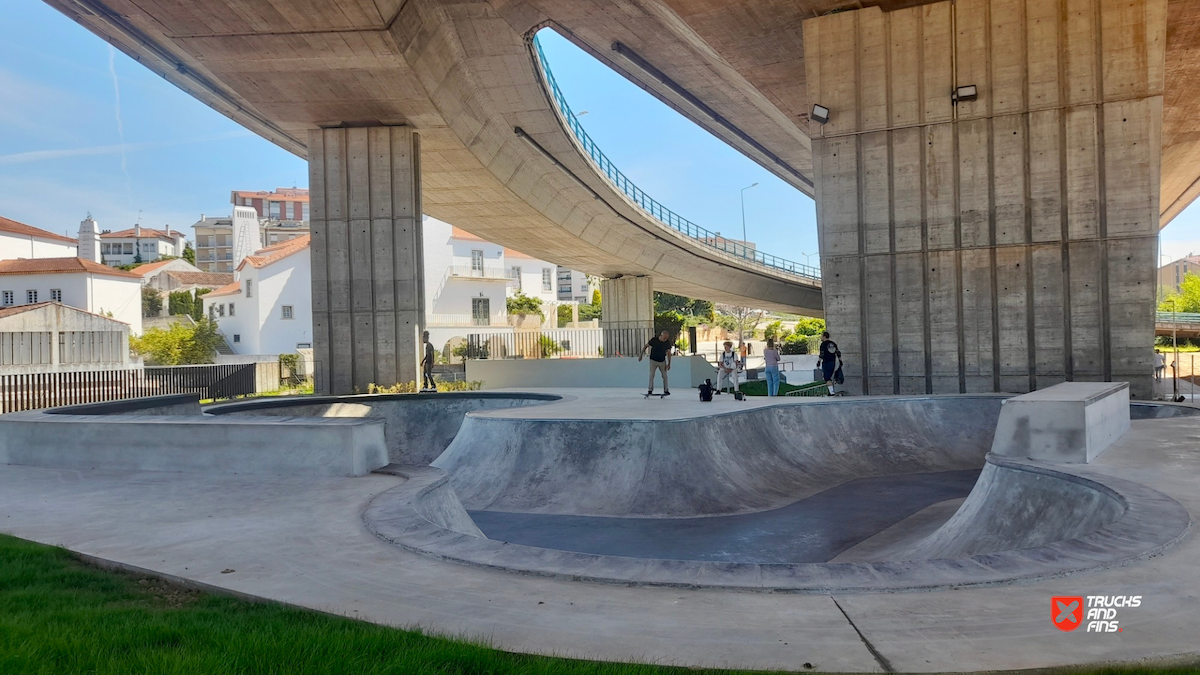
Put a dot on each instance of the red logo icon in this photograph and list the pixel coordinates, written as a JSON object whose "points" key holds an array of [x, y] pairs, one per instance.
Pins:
{"points": [[1067, 612]]}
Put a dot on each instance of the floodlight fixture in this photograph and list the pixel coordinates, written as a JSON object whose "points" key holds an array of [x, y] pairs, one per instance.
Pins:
{"points": [[820, 114]]}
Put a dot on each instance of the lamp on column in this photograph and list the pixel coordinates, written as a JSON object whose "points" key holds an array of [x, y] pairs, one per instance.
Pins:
{"points": [[965, 93], [820, 114]]}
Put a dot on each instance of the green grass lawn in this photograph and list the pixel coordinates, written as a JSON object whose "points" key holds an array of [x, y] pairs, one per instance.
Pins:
{"points": [[58, 615], [759, 387]]}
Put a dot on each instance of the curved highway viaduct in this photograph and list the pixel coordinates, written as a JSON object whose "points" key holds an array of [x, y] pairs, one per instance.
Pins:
{"points": [[926, 205]]}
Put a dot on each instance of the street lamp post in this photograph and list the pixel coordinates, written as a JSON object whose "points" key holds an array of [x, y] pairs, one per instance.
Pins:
{"points": [[744, 238]]}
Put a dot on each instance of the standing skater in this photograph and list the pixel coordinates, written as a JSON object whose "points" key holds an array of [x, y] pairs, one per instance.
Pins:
{"points": [[660, 359], [1160, 364], [727, 367], [427, 365], [829, 356], [771, 356]]}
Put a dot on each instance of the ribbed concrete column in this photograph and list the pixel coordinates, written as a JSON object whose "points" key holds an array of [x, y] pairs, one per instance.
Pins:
{"points": [[367, 266], [1004, 243], [627, 314]]}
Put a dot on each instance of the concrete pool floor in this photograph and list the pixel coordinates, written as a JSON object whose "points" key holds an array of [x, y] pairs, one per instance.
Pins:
{"points": [[302, 541], [814, 529]]}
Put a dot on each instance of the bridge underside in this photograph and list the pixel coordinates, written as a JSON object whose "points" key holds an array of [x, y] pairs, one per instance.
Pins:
{"points": [[497, 160]]}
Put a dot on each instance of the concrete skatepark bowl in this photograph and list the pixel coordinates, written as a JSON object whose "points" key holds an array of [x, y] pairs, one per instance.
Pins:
{"points": [[699, 499], [818, 496]]}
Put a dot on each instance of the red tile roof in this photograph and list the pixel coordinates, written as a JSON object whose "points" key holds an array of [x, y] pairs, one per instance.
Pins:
{"points": [[190, 278], [147, 233], [13, 227], [150, 268], [228, 289], [61, 266], [10, 311], [277, 252], [458, 233]]}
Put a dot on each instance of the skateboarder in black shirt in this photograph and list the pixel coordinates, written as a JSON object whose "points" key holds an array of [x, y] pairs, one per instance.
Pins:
{"points": [[660, 359]]}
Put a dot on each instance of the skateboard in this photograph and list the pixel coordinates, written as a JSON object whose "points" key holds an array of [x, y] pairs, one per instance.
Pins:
{"points": [[645, 396]]}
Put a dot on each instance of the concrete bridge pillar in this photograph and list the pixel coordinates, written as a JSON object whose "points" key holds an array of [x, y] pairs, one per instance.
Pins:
{"points": [[1001, 238], [627, 314], [367, 266]]}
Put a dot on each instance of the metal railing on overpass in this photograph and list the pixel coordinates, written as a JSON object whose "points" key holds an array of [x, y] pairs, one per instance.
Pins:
{"points": [[1177, 317], [657, 210]]}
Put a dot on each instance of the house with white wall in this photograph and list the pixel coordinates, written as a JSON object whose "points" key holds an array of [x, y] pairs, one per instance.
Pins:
{"points": [[50, 337], [75, 282], [140, 245], [18, 240], [268, 309]]}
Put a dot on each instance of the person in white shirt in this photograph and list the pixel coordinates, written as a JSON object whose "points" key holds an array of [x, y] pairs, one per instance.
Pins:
{"points": [[1160, 364], [727, 367]]}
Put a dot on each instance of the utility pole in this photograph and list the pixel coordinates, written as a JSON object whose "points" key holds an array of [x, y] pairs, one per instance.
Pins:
{"points": [[744, 238]]}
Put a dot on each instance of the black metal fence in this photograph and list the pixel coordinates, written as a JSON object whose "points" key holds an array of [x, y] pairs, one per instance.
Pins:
{"points": [[557, 344], [46, 390]]}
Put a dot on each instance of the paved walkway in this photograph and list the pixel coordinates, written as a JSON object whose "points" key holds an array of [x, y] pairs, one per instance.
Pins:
{"points": [[302, 541]]}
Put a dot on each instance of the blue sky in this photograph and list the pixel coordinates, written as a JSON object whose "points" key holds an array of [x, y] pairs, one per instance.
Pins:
{"points": [[85, 128]]}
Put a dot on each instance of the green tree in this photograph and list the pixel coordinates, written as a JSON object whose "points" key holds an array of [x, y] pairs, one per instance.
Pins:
{"points": [[795, 343], [564, 315], [189, 253], [151, 302], [775, 330], [672, 322], [523, 304], [198, 304], [809, 326], [180, 303], [180, 344], [1187, 299]]}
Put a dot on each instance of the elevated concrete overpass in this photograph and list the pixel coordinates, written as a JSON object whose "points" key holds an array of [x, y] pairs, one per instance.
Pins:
{"points": [[347, 82]]}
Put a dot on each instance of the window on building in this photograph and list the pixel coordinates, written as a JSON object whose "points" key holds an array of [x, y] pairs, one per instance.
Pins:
{"points": [[56, 294], [249, 288], [275, 210], [8, 298], [305, 212], [105, 248], [481, 311], [236, 337], [30, 297], [477, 262], [221, 310], [547, 279], [127, 248], [515, 273], [304, 345], [231, 309], [285, 312]]}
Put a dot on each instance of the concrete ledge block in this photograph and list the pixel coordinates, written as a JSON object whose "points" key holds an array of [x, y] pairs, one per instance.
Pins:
{"points": [[273, 446], [1071, 422]]}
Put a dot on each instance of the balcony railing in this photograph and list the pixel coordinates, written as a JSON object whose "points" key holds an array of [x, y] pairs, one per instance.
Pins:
{"points": [[1177, 317], [492, 273], [464, 321], [657, 210]]}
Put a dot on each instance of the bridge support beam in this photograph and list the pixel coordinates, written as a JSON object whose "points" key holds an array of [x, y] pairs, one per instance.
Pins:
{"points": [[1004, 241], [367, 267], [627, 314]]}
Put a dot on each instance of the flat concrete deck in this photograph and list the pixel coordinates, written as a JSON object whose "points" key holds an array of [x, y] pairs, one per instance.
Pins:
{"points": [[301, 540]]}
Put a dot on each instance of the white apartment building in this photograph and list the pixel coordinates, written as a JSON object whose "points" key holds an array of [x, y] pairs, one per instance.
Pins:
{"points": [[18, 240], [140, 245], [468, 281], [268, 309], [75, 282], [217, 245], [575, 286]]}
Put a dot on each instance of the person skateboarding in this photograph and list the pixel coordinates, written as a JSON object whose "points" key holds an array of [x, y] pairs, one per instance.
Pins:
{"points": [[660, 360], [427, 383], [831, 358]]}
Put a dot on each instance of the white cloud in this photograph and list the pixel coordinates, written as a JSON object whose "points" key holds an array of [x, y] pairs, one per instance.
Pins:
{"points": [[114, 149]]}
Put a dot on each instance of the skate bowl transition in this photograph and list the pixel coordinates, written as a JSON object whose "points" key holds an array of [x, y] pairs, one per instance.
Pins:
{"points": [[851, 495]]}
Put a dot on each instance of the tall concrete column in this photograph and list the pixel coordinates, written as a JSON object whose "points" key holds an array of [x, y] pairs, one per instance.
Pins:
{"points": [[1002, 243], [627, 314], [367, 265]]}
